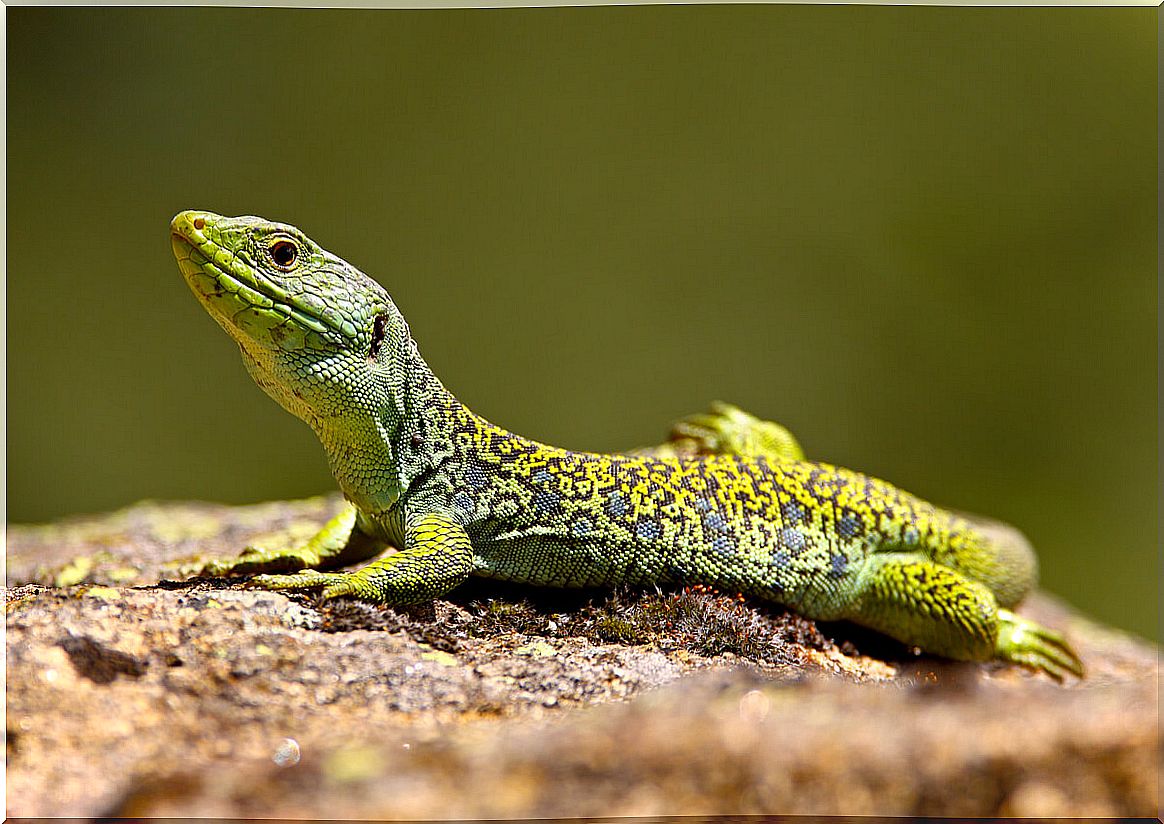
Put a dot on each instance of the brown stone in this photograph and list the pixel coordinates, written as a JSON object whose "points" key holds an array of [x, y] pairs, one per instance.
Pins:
{"points": [[126, 697]]}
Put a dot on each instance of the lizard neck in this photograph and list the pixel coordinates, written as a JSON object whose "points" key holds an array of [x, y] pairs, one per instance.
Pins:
{"points": [[402, 436]]}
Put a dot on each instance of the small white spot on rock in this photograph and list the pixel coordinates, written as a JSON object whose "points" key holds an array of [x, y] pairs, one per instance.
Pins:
{"points": [[754, 706], [287, 753]]}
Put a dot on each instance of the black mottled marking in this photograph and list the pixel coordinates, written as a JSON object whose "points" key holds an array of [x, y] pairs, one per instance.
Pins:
{"points": [[466, 427], [662, 495], [825, 488], [750, 469]]}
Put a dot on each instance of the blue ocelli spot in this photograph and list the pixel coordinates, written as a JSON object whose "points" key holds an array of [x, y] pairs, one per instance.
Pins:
{"points": [[616, 505], [850, 526], [792, 512], [840, 565], [475, 475], [581, 527], [714, 521], [464, 502], [546, 501], [648, 530], [724, 545], [792, 539]]}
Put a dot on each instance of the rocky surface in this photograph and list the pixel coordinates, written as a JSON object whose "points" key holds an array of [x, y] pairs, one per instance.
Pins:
{"points": [[133, 693]]}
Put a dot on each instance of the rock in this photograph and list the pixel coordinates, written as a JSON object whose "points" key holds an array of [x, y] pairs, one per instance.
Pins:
{"points": [[129, 694]]}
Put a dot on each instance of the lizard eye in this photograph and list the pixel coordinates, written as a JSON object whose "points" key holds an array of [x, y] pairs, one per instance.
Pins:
{"points": [[283, 252]]}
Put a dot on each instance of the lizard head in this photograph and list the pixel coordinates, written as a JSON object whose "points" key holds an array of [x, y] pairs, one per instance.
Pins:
{"points": [[317, 334]]}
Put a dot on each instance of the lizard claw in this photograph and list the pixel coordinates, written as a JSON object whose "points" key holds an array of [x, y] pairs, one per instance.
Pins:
{"points": [[334, 584], [1024, 642]]}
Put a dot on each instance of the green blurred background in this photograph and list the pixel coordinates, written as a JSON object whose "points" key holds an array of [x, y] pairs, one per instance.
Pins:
{"points": [[922, 238]]}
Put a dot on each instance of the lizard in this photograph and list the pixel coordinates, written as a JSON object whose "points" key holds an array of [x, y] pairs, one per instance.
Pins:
{"points": [[731, 502]]}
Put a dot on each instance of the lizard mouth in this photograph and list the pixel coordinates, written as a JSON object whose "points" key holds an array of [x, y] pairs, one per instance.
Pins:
{"points": [[232, 279]]}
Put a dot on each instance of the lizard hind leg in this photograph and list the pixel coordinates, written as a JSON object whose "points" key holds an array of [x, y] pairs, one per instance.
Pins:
{"points": [[986, 550], [990, 552], [908, 596]]}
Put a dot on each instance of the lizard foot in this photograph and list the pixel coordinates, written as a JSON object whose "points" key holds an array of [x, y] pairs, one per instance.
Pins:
{"points": [[305, 579], [729, 430], [359, 584], [1024, 642], [260, 559]]}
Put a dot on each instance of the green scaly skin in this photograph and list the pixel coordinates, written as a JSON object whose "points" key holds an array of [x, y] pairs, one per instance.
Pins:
{"points": [[730, 502]]}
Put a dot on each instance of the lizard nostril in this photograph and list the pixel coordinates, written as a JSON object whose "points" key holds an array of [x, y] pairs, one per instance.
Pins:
{"points": [[199, 223]]}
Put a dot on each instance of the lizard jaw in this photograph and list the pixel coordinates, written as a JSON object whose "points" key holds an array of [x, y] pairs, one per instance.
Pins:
{"points": [[229, 287]]}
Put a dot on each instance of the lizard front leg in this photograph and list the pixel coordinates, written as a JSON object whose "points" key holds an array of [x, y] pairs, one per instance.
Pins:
{"points": [[436, 557]]}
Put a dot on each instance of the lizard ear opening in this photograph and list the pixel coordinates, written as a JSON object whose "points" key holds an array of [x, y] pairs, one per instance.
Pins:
{"points": [[379, 329]]}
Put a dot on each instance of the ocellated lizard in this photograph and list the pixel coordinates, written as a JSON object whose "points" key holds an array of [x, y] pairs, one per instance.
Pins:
{"points": [[730, 502]]}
